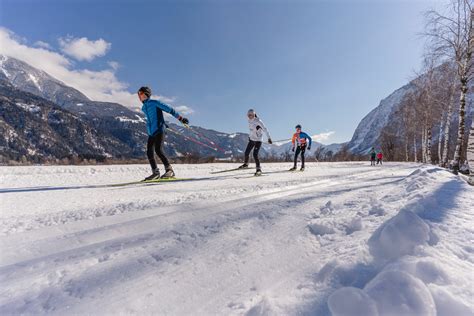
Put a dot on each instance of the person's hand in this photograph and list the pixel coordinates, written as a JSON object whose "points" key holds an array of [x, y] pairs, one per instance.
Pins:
{"points": [[293, 149], [184, 120], [309, 147], [270, 141]]}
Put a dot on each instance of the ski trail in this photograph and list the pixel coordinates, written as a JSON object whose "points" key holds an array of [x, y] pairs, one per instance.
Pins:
{"points": [[180, 244]]}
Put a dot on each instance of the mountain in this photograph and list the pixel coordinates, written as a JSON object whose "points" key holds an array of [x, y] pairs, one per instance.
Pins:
{"points": [[368, 131], [386, 117], [35, 129], [27, 78]]}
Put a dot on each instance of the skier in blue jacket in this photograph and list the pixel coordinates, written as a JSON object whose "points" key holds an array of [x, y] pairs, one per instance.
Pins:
{"points": [[155, 125], [300, 140]]}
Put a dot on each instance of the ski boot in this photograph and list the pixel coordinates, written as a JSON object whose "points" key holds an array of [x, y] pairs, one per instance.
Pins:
{"points": [[258, 172], [302, 169], [292, 169], [244, 166], [168, 174], [155, 175]]}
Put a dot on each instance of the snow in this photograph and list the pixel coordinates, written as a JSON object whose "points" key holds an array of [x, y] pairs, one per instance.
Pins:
{"points": [[29, 107], [3, 59], [339, 238], [35, 81]]}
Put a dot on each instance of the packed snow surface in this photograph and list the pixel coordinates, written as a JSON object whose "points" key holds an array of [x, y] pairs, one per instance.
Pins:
{"points": [[339, 238]]}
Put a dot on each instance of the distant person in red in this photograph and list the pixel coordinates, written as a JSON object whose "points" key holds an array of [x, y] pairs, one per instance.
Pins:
{"points": [[379, 157]]}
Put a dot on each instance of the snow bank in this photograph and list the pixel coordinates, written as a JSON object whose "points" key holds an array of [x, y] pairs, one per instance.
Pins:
{"points": [[398, 293], [351, 301], [408, 276], [354, 225], [320, 229], [399, 236], [447, 304]]}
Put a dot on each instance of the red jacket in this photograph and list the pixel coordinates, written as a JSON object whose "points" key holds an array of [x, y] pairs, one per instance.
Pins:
{"points": [[379, 156]]}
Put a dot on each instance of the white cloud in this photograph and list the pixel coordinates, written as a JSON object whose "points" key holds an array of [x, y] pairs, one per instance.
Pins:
{"points": [[323, 138], [100, 85], [84, 49], [114, 65], [42, 45], [184, 110]]}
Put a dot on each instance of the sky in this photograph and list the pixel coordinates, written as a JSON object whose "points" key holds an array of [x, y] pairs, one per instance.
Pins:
{"points": [[323, 64]]}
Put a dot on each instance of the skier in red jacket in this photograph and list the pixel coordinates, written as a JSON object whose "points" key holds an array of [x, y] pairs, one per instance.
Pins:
{"points": [[379, 157]]}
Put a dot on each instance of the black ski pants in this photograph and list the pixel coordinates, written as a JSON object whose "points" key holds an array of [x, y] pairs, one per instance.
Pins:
{"points": [[155, 145], [255, 145], [302, 150]]}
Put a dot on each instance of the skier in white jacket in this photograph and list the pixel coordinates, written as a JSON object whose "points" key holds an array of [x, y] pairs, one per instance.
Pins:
{"points": [[257, 128]]}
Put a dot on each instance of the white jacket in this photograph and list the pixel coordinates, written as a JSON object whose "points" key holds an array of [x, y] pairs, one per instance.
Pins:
{"points": [[257, 128]]}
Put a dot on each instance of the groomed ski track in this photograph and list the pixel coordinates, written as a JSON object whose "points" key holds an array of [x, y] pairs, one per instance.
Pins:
{"points": [[225, 244]]}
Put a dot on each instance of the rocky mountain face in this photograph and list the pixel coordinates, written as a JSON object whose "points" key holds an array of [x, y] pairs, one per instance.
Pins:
{"points": [[37, 130], [368, 131], [387, 117]]}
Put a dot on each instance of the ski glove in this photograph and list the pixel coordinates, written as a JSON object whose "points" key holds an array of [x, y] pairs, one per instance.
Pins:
{"points": [[309, 147], [183, 120], [270, 141], [293, 149]]}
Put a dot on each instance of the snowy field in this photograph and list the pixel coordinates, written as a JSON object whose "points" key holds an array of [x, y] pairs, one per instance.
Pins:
{"points": [[340, 238]]}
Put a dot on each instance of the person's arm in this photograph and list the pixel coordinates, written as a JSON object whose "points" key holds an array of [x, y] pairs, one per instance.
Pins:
{"points": [[168, 109], [310, 140], [264, 128], [293, 141]]}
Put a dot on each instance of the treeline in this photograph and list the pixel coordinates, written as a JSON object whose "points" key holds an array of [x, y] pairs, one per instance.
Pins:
{"points": [[432, 124]]}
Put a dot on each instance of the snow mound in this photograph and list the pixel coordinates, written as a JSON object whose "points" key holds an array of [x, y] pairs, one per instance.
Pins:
{"points": [[399, 236], [320, 229], [425, 269], [354, 225], [351, 301], [327, 209], [377, 210], [447, 304], [399, 293]]}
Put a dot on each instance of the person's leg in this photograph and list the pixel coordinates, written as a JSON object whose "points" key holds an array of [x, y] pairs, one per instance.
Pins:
{"points": [[255, 154], [159, 139], [150, 154], [297, 152], [249, 148], [303, 150]]}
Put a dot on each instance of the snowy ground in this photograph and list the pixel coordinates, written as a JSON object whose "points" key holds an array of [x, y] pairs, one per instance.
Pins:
{"points": [[339, 237]]}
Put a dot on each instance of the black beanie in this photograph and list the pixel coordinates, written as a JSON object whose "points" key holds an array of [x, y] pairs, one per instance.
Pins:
{"points": [[146, 91]]}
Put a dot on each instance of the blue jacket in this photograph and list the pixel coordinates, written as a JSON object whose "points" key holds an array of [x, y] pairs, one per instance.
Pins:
{"points": [[299, 139], [155, 121]]}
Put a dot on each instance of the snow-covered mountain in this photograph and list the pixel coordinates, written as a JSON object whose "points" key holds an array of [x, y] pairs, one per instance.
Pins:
{"points": [[368, 131], [386, 116], [34, 129], [282, 148], [27, 78]]}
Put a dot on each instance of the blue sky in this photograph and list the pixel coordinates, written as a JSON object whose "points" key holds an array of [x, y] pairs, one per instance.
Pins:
{"points": [[323, 64]]}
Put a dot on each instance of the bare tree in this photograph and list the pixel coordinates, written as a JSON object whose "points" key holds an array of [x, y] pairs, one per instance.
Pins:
{"points": [[318, 153], [470, 153], [452, 36]]}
